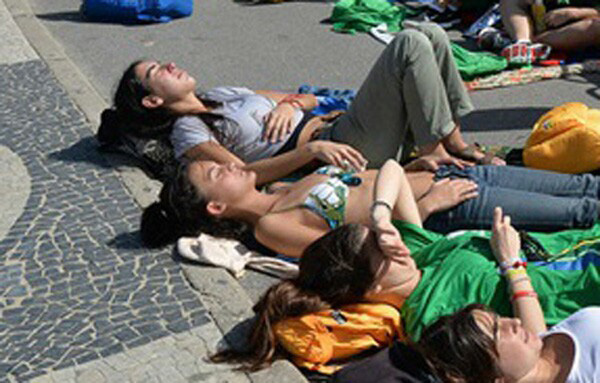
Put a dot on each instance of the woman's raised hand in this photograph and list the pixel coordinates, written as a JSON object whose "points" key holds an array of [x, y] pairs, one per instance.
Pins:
{"points": [[341, 155], [505, 239], [389, 239], [279, 122]]}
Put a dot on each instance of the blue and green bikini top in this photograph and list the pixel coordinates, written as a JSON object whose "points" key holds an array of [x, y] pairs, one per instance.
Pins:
{"points": [[328, 198]]}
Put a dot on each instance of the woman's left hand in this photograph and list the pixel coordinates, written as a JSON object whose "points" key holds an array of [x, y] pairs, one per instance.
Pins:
{"points": [[447, 193], [279, 122]]}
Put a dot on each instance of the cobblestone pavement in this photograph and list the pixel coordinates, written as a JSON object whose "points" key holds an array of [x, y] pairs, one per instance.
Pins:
{"points": [[80, 299], [75, 285], [171, 359]]}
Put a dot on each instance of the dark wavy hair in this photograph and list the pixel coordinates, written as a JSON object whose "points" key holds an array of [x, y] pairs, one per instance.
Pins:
{"points": [[335, 270], [458, 350], [129, 116], [181, 211]]}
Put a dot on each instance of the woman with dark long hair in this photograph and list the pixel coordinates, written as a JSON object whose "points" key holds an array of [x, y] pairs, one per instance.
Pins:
{"points": [[214, 198], [413, 96], [425, 276]]}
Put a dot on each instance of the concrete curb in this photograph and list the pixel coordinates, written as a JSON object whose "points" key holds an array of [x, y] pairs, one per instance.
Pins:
{"points": [[221, 294]]}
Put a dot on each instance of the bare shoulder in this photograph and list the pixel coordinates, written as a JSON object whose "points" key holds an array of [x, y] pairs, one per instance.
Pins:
{"points": [[287, 232]]}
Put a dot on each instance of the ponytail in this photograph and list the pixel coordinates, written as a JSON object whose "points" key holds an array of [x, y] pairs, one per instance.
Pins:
{"points": [[110, 127], [281, 301], [335, 270], [158, 228]]}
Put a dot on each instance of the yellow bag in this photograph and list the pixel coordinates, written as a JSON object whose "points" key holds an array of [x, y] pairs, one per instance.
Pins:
{"points": [[566, 139], [323, 341]]}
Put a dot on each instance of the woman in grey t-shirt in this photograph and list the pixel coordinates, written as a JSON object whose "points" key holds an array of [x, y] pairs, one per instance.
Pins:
{"points": [[413, 97]]}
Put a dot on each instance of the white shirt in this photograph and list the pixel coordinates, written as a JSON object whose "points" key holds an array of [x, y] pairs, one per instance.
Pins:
{"points": [[583, 328]]}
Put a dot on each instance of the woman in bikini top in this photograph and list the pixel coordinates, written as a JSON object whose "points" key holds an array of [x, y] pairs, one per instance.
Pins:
{"points": [[222, 200]]}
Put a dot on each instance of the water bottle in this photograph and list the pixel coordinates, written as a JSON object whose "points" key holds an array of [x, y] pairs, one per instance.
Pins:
{"points": [[538, 10]]}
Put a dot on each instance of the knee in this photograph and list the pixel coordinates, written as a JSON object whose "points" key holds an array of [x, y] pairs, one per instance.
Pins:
{"points": [[436, 34], [594, 29], [411, 41]]}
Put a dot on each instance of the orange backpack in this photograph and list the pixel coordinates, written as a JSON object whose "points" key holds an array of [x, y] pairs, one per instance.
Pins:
{"points": [[566, 139], [322, 341]]}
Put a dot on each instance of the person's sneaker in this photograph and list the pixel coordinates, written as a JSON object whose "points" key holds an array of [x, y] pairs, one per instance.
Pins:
{"points": [[522, 53]]}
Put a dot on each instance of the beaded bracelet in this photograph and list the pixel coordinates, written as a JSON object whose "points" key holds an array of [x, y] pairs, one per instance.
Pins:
{"points": [[514, 263], [522, 294]]}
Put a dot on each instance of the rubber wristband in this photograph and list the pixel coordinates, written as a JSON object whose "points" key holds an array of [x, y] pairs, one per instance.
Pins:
{"points": [[382, 203], [511, 273], [522, 294]]}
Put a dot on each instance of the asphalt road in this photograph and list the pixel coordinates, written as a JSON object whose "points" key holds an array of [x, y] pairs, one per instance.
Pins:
{"points": [[279, 46]]}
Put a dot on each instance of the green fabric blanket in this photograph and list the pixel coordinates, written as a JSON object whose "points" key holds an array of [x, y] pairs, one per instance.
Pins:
{"points": [[476, 64], [350, 16], [461, 270]]}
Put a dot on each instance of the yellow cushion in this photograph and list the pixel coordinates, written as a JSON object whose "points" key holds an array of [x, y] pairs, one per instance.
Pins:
{"points": [[566, 139]]}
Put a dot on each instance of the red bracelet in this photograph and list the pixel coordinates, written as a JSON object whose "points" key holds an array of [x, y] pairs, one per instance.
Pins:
{"points": [[294, 103], [523, 293], [292, 99]]}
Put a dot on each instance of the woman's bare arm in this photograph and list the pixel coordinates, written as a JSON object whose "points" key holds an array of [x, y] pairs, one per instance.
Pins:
{"points": [[305, 101], [505, 244], [274, 168], [392, 188]]}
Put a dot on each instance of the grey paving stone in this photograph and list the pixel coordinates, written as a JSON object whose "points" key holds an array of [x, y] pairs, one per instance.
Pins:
{"points": [[77, 205], [111, 350]]}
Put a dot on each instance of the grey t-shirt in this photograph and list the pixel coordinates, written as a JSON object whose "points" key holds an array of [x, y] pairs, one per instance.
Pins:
{"points": [[241, 128]]}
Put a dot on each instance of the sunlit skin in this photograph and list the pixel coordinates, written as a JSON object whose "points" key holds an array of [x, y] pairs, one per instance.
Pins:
{"points": [[281, 213], [519, 350], [226, 185], [169, 86]]}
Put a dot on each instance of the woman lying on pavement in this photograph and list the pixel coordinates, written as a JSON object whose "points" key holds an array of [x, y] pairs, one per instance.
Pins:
{"points": [[221, 200], [423, 274], [486, 347], [489, 348], [412, 96]]}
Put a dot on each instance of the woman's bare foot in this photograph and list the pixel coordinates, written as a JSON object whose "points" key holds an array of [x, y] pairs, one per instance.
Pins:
{"points": [[475, 154]]}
